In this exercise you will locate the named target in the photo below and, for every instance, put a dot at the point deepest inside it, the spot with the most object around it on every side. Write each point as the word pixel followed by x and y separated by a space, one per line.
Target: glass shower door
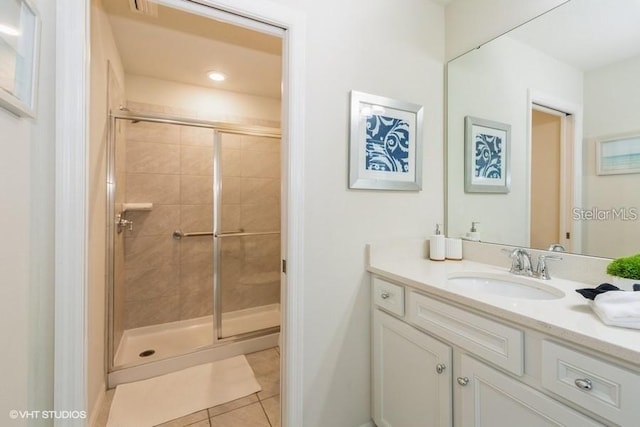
pixel 247 240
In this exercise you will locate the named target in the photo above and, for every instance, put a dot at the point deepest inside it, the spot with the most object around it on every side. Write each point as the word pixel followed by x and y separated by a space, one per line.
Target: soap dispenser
pixel 474 234
pixel 437 245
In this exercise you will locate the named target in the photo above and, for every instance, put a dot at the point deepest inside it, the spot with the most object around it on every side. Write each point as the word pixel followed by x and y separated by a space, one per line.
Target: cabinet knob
pixel 385 295
pixel 462 380
pixel 440 367
pixel 583 383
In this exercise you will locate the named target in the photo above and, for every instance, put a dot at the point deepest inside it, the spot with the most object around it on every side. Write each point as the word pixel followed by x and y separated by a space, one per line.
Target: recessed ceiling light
pixel 5 29
pixel 217 76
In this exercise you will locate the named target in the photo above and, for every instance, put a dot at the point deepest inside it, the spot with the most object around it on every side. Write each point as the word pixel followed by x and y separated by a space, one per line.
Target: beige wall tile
pixel 196 276
pixel 196 218
pixel 161 133
pixel 230 141
pixel 260 190
pixel 155 188
pixel 230 220
pixel 196 190
pixel 191 135
pixel 231 162
pixel 153 251
pixel 146 157
pixel 196 249
pixel 147 283
pixel 162 220
pixel 258 164
pixel 232 190
pixel 260 246
pixel 196 160
pixel 196 304
pixel 260 143
pixel 260 217
pixel 152 311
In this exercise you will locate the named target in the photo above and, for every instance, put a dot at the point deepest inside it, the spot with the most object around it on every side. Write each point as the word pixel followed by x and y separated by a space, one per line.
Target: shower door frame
pixel 218 128
pixel 217 234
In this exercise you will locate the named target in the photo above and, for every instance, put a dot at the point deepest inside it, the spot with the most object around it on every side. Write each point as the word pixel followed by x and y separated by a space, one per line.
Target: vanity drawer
pixel 388 296
pixel 599 386
pixel 490 340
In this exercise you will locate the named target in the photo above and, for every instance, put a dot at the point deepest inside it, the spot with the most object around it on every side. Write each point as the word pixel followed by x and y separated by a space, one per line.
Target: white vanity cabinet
pixel 411 376
pixel 439 365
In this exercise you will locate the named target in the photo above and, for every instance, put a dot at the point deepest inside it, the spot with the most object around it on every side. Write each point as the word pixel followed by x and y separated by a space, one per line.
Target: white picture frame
pixel 618 154
pixel 19 51
pixel 487 164
pixel 385 143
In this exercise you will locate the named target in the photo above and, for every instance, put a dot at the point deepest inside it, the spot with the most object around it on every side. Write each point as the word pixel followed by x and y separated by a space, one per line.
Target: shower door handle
pixel 243 234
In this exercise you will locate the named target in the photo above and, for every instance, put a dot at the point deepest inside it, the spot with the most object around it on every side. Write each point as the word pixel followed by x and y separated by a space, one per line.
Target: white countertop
pixel 567 318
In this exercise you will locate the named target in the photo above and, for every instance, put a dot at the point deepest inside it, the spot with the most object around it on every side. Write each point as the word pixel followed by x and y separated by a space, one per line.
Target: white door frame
pixel 71 199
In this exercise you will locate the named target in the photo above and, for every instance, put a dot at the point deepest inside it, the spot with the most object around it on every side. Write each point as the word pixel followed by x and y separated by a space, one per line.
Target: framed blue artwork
pixel 385 144
pixel 486 156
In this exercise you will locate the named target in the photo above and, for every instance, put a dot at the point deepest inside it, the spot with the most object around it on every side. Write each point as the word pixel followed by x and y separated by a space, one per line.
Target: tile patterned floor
pixel 260 409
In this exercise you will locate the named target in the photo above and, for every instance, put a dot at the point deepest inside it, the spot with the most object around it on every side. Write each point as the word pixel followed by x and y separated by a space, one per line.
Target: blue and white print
pixel 387 144
pixel 488 156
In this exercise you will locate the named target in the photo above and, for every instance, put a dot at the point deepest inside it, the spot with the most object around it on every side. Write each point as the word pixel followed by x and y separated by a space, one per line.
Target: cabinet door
pixel 492 399
pixel 411 376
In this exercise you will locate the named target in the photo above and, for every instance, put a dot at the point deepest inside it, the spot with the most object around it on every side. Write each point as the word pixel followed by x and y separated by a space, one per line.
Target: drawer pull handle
pixel 584 383
pixel 463 381
pixel 440 367
pixel 385 295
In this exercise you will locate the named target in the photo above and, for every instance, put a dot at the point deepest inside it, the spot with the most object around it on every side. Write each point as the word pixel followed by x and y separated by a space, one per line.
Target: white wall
pixel 492 83
pixel 611 97
pixel 470 23
pixel 26 256
pixel 102 49
pixel 378 47
pixel 211 104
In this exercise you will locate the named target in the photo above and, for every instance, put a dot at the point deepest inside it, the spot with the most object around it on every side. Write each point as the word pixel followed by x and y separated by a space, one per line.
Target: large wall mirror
pixel 568 85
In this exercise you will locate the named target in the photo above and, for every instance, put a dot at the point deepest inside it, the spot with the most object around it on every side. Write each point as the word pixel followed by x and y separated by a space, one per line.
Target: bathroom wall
pixel 377 47
pixel 481 88
pixel 611 107
pixel 27 194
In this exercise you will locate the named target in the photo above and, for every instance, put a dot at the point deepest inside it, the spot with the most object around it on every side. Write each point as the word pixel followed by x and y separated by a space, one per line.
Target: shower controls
pixel 122 223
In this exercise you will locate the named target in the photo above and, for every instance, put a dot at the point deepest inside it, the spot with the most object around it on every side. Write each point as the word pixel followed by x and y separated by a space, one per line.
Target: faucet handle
pixel 516 264
pixel 542 271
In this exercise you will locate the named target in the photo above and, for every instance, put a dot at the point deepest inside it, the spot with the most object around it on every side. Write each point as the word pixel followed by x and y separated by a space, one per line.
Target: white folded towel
pixel 618 308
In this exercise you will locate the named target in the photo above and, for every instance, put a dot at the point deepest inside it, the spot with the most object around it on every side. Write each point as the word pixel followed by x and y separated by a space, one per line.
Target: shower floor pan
pixel 158 342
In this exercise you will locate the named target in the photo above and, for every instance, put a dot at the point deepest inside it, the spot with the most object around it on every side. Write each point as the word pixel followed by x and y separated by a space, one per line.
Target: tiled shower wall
pixel 167 280
pixel 171 166
pixel 250 266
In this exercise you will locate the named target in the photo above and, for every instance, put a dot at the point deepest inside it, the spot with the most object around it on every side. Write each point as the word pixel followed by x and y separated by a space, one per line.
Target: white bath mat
pixel 164 398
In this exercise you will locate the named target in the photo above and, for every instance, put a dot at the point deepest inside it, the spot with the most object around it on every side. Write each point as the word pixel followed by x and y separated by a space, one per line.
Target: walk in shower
pixel 194 259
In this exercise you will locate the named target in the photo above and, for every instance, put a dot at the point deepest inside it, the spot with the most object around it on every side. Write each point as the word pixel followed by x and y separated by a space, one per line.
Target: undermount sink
pixel 504 285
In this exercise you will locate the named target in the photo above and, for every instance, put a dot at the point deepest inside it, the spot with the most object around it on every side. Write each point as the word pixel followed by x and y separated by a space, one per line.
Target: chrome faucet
pixel 521 263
